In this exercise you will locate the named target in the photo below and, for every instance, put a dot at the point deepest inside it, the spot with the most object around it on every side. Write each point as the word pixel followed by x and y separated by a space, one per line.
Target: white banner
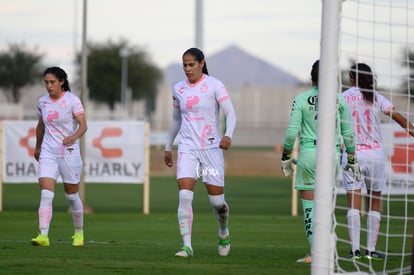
pixel 114 152
pixel 399 160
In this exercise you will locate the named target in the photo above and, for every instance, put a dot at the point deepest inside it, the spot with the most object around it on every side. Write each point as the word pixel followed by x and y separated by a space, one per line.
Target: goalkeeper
pixel 303 121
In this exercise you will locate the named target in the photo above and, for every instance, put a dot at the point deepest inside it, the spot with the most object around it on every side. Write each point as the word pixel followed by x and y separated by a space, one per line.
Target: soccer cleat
pixel 224 246
pixel 374 255
pixel 40 240
pixel 355 255
pixel 307 259
pixel 77 239
pixel 185 252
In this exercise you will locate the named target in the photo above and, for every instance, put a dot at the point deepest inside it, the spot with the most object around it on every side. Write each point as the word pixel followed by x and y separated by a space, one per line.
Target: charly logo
pixel 206 171
pixel 108 133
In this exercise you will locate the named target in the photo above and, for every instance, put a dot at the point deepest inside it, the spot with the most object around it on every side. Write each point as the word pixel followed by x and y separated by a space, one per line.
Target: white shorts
pixel 207 164
pixel 373 176
pixel 68 167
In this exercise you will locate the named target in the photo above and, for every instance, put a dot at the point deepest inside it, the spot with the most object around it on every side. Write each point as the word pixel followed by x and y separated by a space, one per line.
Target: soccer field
pixel 119 239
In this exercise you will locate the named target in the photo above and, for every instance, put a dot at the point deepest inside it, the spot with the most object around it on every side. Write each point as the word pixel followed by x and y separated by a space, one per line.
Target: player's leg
pixel 375 184
pixel 45 211
pixel 185 214
pixel 354 222
pixel 373 226
pixel 212 172
pixel 221 212
pixel 48 172
pixel 308 206
pixel 353 193
pixel 70 170
pixel 305 183
pixel 186 179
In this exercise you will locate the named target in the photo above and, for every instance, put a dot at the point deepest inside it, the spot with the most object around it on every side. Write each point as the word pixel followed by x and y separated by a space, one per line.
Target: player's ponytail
pixel 199 56
pixel 60 74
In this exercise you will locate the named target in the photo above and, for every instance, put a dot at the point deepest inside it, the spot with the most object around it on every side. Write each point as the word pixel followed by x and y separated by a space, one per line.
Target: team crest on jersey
pixel 181 90
pixel 203 88
pixel 63 104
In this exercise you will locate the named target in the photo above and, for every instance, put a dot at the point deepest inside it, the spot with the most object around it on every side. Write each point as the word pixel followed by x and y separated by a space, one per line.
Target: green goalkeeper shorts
pixel 306 170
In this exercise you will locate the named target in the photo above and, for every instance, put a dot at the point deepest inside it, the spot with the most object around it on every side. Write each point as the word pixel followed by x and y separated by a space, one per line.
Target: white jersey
pixel 199 108
pixel 59 119
pixel 367 122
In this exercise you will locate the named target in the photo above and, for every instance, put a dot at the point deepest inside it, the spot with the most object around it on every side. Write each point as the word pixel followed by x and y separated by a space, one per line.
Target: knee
pixel 352 212
pixel 72 197
pixel 218 202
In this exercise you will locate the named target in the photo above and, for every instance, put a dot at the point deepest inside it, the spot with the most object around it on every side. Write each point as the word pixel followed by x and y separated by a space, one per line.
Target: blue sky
pixel 283 33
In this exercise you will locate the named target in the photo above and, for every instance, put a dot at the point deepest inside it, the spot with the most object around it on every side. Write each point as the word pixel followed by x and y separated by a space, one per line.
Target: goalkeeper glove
pixel 287 164
pixel 353 166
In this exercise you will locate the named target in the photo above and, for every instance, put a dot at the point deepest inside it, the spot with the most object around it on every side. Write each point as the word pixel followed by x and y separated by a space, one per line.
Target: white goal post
pixel 379 33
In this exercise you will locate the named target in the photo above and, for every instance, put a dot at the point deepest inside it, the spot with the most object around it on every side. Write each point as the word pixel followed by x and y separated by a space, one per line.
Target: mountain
pixel 236 67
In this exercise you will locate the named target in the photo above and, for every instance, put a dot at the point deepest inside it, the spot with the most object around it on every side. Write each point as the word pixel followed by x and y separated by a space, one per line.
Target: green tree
pixel 19 67
pixel 104 72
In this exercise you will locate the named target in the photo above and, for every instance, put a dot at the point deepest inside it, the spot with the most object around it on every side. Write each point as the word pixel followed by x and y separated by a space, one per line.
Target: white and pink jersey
pixel 199 107
pixel 367 123
pixel 59 119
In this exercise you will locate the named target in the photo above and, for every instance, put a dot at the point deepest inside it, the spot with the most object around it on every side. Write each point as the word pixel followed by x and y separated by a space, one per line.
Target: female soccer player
pixel 61 124
pixel 303 119
pixel 366 106
pixel 197 101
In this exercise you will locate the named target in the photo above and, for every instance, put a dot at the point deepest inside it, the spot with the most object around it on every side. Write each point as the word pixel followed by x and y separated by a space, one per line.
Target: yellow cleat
pixel 40 240
pixel 77 239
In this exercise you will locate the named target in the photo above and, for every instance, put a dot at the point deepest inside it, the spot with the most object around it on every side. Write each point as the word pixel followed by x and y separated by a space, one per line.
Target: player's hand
pixel 225 142
pixel 353 165
pixel 287 166
pixel 168 158
pixel 68 141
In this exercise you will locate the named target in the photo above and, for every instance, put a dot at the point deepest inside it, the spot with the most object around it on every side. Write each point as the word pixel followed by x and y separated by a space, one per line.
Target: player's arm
pixel 347 129
pixel 82 128
pixel 172 133
pixel 230 114
pixel 402 121
pixel 291 134
pixel 40 131
pixel 347 132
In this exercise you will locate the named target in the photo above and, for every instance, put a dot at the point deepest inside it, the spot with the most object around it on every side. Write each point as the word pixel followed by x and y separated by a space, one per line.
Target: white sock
pixel 76 207
pixel 185 215
pixel 221 211
pixel 373 225
pixel 45 210
pixel 354 228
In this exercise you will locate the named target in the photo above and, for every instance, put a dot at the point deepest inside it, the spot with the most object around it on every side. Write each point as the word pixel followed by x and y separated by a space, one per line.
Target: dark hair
pixel 364 79
pixel 60 74
pixel 199 56
pixel 315 73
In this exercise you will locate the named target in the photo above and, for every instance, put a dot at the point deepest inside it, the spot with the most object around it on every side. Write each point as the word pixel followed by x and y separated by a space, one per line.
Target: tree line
pixel 21 66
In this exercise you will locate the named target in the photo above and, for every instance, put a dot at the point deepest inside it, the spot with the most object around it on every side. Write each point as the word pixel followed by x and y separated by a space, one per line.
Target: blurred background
pixel 262 51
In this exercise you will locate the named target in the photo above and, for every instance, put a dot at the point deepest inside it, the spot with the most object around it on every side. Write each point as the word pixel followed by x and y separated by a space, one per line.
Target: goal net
pixel 379 33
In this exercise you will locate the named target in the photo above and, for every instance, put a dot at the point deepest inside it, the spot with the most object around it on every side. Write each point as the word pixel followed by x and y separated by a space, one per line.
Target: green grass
pixel 121 240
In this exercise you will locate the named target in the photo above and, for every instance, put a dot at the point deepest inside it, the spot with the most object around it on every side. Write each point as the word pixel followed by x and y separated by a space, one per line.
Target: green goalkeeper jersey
pixel 303 121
